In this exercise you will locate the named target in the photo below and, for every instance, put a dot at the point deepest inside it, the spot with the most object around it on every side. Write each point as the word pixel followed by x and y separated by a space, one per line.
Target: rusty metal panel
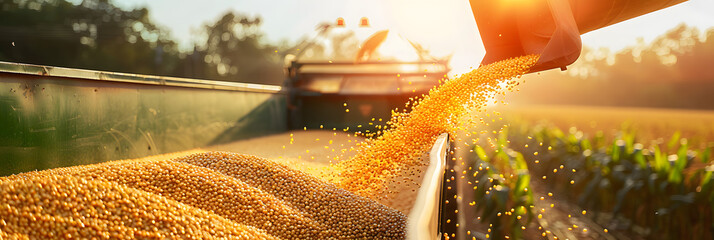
pixel 52 119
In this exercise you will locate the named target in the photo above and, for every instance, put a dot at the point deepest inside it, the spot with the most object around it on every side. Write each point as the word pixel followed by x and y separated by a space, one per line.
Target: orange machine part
pixel 551 28
pixel 370 45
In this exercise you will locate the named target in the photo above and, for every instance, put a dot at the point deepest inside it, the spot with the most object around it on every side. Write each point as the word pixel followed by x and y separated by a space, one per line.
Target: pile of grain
pixel 214 194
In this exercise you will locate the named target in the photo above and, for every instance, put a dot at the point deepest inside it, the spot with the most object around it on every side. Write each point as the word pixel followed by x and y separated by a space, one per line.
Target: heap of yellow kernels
pixel 384 163
pixel 351 216
pixel 248 196
pixel 51 207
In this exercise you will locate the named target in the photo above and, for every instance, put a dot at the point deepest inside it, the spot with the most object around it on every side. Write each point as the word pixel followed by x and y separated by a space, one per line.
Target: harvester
pixel 356 88
pixel 54 117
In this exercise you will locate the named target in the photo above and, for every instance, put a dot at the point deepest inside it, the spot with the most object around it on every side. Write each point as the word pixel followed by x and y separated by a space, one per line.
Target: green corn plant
pixel 502 194
pixel 667 190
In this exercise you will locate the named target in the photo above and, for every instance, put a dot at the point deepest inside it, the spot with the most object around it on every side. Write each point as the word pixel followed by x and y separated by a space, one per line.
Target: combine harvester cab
pixel 358 84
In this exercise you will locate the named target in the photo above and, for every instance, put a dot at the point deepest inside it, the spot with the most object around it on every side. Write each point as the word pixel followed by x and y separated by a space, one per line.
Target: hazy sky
pixel 443 26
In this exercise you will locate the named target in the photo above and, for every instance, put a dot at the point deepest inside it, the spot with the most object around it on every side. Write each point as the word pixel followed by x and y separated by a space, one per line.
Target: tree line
pixel 98 35
pixel 673 71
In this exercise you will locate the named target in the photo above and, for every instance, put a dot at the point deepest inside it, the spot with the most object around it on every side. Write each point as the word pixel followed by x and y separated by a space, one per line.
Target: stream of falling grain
pixel 386 165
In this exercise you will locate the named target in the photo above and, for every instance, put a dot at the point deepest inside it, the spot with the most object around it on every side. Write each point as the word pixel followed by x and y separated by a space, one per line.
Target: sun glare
pixel 440 27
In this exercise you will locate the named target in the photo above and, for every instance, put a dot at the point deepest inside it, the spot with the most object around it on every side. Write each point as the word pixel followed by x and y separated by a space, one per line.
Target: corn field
pixel 662 190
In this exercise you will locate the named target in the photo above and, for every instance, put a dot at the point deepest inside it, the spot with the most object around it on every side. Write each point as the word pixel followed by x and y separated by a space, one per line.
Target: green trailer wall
pixel 54 117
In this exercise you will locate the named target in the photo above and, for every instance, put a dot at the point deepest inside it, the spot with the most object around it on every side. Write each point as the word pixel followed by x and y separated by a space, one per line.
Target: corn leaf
pixel 481 153
pixel 674 140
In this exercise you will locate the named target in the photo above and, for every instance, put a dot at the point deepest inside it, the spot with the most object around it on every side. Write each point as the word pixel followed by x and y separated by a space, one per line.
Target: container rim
pixel 423 220
pixel 40 70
